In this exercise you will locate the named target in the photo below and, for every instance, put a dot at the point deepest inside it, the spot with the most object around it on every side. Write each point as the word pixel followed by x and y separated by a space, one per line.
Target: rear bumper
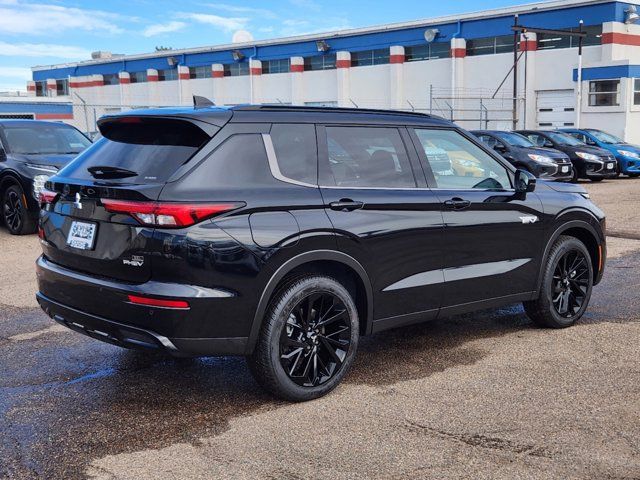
pixel 98 307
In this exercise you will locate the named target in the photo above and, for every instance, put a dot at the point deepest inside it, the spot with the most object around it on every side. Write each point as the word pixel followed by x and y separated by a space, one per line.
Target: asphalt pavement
pixel 486 395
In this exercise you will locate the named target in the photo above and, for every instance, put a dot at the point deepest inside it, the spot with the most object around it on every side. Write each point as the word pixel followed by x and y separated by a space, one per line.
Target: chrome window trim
pixel 275 168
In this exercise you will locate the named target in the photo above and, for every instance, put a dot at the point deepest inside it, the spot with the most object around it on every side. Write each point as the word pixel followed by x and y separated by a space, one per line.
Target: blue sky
pixel 41 32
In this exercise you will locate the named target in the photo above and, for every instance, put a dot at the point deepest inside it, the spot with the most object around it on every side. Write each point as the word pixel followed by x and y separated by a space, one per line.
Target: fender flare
pixel 292 263
pixel 556 234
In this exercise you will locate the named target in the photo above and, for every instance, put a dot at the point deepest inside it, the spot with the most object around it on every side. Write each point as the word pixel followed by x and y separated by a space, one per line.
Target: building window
pixel 320 62
pixel 276 66
pixel 427 52
pixel 202 71
pixel 547 41
pixel 111 79
pixel 328 103
pixel 166 75
pixel 604 93
pixel 236 69
pixel 490 45
pixel 636 91
pixel 138 77
pixel 41 89
pixel 379 56
pixel 62 87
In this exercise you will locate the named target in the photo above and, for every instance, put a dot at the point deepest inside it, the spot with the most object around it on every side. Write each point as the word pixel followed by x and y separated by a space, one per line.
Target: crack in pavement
pixel 482 441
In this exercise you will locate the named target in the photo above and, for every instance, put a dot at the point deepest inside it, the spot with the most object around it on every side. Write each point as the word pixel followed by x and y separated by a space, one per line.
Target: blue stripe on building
pixel 607 73
pixel 36 107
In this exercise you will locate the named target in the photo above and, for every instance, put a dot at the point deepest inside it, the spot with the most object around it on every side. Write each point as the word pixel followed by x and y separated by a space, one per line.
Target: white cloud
pixel 225 23
pixel 67 52
pixel 17 17
pixel 161 28
pixel 262 12
pixel 311 4
pixel 15 72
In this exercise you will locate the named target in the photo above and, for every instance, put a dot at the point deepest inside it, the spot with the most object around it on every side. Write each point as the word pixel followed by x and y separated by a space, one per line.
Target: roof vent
pixel 101 55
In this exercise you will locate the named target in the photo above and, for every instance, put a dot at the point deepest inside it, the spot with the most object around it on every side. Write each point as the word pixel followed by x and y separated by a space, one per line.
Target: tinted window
pixel 296 151
pixel 367 157
pixel 152 150
pixel 240 161
pixel 515 139
pixel 564 139
pixel 457 163
pixel 44 138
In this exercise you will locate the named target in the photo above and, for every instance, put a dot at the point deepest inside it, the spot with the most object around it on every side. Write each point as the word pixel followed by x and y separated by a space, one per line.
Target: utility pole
pixel 516 35
pixel 579 92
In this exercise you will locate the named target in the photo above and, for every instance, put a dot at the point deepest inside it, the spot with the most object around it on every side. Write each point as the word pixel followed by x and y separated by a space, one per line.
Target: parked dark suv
pixel 589 162
pixel 545 163
pixel 30 152
pixel 284 234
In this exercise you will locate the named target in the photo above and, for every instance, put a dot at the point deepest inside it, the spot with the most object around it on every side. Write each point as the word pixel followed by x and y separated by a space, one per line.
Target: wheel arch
pixel 587 234
pixel 328 262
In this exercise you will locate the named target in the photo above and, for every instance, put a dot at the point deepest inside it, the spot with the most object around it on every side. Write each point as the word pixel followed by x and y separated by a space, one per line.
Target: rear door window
pixel 138 151
pixel 296 151
pixel 373 157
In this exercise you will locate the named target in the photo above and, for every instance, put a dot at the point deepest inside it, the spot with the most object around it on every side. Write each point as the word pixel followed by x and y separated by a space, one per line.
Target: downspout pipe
pixel 453 70
pixel 254 55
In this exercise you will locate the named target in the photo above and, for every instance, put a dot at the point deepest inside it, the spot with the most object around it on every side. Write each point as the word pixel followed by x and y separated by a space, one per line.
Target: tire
pixel 634 175
pixel 596 180
pixel 290 360
pixel 15 213
pixel 567 281
pixel 574 178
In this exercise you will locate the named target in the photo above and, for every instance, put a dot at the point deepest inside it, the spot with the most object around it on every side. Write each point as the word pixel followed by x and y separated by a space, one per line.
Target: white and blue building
pixel 455 66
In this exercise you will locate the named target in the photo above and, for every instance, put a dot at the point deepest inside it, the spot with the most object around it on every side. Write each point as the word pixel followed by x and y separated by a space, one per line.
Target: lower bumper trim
pixel 127 336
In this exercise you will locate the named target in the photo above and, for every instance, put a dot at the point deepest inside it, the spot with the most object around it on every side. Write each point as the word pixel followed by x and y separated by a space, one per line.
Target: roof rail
pixel 303 108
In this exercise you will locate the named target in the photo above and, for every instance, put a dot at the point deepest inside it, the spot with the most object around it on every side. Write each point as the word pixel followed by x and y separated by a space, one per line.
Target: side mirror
pixel 547 144
pixel 525 181
pixel 499 148
pixel 591 142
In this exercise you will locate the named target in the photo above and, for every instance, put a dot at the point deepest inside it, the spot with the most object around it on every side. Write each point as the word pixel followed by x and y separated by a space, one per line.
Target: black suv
pixel 545 163
pixel 284 234
pixel 30 152
pixel 589 162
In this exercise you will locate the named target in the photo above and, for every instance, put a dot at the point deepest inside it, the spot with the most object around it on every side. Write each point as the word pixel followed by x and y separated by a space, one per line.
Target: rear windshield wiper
pixel 106 172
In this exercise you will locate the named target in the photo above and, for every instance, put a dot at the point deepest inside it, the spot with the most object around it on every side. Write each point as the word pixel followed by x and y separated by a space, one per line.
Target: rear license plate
pixel 609 166
pixel 565 169
pixel 81 235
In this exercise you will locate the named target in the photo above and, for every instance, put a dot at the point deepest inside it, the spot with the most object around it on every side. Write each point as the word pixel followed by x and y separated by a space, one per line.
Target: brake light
pixel 168 215
pixel 46 197
pixel 155 302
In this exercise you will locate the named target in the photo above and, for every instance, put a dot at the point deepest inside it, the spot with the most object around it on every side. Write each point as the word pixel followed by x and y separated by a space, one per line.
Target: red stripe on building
pixel 31 88
pixel 152 78
pixel 396 59
pixel 458 52
pixel 93 83
pixel 124 80
pixel 184 76
pixel 621 39
pixel 529 46
pixel 217 73
pixel 256 70
pixel 343 63
pixel 54 116
pixel 297 68
pixel 51 86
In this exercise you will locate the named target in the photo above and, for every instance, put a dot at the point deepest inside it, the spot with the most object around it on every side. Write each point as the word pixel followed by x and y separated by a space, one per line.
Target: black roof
pixel 293 114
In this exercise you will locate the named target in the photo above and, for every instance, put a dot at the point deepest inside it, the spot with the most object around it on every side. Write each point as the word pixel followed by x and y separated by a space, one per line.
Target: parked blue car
pixel 627 155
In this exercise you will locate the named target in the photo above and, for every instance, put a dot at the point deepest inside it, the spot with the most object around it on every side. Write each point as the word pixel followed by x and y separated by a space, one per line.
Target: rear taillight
pixel 168 215
pixel 47 197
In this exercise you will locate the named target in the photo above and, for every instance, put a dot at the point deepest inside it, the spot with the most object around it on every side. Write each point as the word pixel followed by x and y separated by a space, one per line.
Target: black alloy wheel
pixel 566 285
pixel 15 215
pixel 571 283
pixel 315 340
pixel 308 339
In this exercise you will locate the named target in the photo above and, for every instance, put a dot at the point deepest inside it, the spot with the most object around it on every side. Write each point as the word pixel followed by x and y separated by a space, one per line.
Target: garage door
pixel 556 108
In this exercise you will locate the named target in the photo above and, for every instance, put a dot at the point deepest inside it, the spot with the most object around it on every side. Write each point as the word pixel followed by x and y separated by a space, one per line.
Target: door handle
pixel 346 205
pixel 457 204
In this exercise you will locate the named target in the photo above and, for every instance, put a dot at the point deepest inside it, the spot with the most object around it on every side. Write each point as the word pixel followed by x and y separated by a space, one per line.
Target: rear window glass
pixel 148 151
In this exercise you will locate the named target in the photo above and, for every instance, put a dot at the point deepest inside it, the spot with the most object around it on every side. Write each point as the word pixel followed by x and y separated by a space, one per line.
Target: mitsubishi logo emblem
pixel 78 202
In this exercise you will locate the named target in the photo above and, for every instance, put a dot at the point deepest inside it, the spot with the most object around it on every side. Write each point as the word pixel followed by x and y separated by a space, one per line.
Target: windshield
pixel 605 137
pixel 564 139
pixel 44 139
pixel 515 140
